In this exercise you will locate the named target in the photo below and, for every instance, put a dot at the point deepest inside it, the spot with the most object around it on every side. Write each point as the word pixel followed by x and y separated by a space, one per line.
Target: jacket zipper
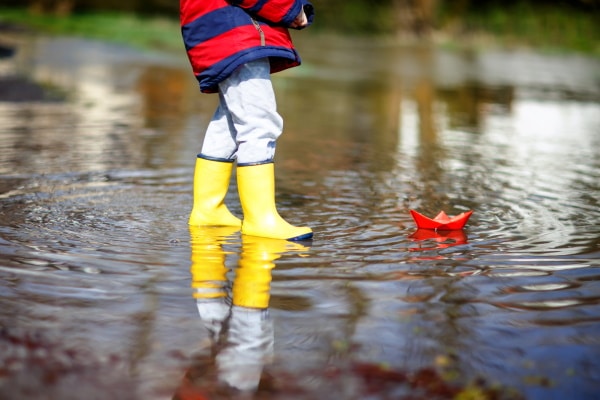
pixel 260 31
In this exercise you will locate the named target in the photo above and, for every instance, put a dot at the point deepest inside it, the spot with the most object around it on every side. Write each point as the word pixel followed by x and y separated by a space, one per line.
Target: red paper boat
pixel 441 222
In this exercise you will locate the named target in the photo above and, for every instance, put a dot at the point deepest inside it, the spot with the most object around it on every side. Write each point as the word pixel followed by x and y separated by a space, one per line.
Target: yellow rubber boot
pixel 256 186
pixel 211 181
pixel 252 283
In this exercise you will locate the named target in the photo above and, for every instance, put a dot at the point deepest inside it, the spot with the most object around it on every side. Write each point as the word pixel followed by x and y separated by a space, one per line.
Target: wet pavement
pixel 106 292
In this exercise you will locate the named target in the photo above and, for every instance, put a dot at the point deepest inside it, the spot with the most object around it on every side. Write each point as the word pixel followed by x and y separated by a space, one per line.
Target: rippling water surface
pixel 106 293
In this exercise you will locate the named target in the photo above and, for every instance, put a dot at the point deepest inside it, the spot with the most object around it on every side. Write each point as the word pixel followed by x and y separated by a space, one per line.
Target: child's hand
pixel 301 21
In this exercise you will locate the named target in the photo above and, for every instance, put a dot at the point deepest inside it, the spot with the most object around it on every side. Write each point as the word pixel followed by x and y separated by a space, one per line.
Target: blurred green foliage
pixel 539 25
pixel 141 31
pixel 551 24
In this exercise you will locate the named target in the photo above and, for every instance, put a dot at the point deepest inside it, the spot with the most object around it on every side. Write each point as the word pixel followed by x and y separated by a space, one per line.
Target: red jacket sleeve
pixel 279 12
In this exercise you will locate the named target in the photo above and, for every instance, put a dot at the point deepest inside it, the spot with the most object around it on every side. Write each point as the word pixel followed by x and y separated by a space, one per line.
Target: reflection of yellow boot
pixel 256 186
pixel 208 260
pixel 211 180
pixel 252 284
pixel 209 275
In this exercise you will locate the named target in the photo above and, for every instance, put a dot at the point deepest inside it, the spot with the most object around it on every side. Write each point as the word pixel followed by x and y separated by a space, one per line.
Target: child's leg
pixel 219 140
pixel 213 173
pixel 252 110
pixel 248 99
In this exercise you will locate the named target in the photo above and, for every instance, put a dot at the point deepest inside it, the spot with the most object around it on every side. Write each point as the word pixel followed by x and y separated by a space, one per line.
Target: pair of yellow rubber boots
pixel 256 187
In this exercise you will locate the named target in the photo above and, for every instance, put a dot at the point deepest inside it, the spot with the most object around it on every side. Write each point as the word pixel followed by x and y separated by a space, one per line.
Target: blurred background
pixel 571 24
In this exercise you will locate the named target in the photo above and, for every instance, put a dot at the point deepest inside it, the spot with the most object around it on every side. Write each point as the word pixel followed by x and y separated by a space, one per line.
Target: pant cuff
pixel 250 164
pixel 218 159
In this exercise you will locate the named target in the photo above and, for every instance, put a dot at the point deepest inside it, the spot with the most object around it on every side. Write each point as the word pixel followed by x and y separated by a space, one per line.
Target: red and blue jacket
pixel 221 35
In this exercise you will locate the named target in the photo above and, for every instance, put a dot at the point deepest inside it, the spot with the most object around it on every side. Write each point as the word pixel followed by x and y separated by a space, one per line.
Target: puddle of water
pixel 103 284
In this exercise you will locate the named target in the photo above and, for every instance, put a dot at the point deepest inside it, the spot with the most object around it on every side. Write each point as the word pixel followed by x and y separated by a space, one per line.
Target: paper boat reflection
pixel 443 238
pixel 441 221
